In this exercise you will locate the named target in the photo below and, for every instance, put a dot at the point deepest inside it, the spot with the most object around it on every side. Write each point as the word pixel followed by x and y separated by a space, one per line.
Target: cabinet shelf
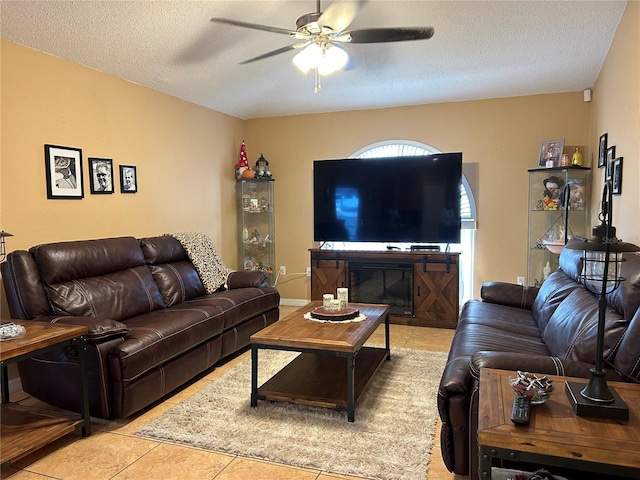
pixel 256 222
pixel 568 189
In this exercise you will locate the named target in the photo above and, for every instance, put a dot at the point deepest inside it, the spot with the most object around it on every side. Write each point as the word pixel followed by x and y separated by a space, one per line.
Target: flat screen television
pixel 393 199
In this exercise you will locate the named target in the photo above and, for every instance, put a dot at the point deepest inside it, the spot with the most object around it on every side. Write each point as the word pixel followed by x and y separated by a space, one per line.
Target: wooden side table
pixel 25 430
pixel 555 436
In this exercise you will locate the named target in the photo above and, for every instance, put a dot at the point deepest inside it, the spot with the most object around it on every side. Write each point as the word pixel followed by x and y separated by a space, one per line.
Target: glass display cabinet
pixel 256 225
pixel 558 211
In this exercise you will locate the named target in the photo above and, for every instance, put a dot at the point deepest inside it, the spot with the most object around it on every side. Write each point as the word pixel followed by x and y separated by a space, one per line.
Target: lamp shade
pixel 602 258
pixel 327 58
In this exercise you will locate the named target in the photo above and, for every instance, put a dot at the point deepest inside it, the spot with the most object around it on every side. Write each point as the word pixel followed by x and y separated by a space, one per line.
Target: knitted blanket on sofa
pixel 205 258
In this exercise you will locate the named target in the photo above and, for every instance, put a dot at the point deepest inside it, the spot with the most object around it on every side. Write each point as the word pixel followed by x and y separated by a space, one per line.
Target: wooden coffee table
pixel 555 436
pixel 325 373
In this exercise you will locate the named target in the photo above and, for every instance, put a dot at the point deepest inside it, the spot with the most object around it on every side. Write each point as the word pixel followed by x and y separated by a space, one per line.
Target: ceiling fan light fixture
pixel 308 57
pixel 326 59
pixel 333 59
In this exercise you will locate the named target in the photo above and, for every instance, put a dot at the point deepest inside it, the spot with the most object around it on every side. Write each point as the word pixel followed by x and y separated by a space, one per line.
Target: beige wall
pixel 500 136
pixel 184 155
pixel 616 111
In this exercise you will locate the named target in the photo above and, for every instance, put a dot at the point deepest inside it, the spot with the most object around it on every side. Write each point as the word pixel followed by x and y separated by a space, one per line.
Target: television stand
pixel 421 287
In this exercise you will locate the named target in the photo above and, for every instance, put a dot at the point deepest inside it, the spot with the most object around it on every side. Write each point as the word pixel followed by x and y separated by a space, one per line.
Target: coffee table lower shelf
pixel 322 379
pixel 25 430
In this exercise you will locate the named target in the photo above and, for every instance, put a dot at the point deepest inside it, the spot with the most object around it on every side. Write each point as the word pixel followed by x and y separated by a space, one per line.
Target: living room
pixel 185 155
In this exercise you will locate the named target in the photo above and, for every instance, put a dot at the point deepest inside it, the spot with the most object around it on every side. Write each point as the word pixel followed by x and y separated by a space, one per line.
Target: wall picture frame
pixel 610 157
pixel 617 176
pixel 602 150
pixel 128 179
pixel 101 175
pixel 550 154
pixel 63 169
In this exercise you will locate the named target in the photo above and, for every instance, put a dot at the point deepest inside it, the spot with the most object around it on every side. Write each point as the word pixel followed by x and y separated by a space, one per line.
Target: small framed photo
pixel 101 173
pixel 128 179
pixel 611 155
pixel 602 151
pixel 550 154
pixel 63 167
pixel 617 176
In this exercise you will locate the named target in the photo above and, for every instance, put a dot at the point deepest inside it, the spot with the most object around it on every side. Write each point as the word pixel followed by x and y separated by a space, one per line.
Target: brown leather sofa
pixel 548 330
pixel 152 327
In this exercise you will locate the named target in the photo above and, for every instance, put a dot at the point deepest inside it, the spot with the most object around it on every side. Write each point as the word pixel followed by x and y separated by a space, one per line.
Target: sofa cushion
pixel 492 327
pixel 104 278
pixel 238 304
pixel 156 337
pixel 116 296
pixel 572 329
pixel 66 261
pixel 175 275
pixel 552 292
pixel 626 298
pixel 627 359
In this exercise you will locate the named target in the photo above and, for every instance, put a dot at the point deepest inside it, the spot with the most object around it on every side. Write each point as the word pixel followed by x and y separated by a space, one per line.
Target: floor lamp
pixel 3 249
pixel 602 261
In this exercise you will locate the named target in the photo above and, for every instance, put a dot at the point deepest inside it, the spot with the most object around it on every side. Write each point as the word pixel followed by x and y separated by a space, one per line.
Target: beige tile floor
pixel 113 452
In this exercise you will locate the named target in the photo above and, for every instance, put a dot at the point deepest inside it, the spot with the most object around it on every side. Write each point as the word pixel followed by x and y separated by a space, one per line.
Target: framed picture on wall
pixel 128 179
pixel 611 155
pixel 602 150
pixel 101 173
pixel 617 176
pixel 550 153
pixel 63 168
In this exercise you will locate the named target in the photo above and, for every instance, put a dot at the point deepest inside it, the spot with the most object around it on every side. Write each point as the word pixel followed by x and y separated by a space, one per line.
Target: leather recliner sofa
pixel 152 326
pixel 549 330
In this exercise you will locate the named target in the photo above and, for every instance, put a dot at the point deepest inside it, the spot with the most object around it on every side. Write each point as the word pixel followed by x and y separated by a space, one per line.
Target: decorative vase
pixel 576 158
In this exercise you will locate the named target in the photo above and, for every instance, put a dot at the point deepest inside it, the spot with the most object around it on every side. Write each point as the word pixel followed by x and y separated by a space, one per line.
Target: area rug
pixel 391 437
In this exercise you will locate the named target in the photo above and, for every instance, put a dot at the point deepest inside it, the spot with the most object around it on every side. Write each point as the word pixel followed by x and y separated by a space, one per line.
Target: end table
pixel 25 430
pixel 555 436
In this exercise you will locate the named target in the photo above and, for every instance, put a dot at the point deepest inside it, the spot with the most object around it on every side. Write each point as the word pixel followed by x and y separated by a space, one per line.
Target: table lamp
pixel 602 261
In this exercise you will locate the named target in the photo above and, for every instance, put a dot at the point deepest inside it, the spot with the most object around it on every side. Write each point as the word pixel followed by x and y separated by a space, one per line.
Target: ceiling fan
pixel 320 34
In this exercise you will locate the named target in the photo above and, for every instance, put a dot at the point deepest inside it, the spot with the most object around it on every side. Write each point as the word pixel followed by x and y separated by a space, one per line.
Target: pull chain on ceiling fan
pixel 320 34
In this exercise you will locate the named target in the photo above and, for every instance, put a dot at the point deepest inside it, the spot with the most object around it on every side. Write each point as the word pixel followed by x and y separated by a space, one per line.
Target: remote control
pixel 520 411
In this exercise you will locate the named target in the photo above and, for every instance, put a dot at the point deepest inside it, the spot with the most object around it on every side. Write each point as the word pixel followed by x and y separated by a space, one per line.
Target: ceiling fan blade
pixel 254 26
pixel 277 51
pixel 339 15
pixel 400 34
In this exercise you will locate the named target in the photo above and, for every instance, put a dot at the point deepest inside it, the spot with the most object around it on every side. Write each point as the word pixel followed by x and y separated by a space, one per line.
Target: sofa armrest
pixel 246 279
pixel 508 294
pixel 100 329
pixel 543 364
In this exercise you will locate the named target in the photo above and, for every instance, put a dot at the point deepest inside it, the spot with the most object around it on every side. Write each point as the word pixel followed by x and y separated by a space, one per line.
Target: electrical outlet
pixel 520 280
pixel 283 270
pixel 308 271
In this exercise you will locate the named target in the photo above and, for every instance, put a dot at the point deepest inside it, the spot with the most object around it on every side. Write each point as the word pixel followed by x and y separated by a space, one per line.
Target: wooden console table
pixel 434 294
pixel 24 429
pixel 555 436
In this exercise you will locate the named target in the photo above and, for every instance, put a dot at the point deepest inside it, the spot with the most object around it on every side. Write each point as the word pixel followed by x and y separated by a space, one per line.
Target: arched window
pixel 466 247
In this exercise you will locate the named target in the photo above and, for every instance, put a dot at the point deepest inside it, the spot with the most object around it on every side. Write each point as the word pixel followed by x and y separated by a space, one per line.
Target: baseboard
pixel 15 385
pixel 294 302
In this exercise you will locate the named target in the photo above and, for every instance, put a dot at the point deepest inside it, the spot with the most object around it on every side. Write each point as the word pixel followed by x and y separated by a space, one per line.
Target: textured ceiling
pixel 481 49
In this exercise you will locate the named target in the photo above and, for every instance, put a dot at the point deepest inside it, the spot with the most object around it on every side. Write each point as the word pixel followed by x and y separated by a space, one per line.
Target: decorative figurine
pixel 242 164
pixel 552 192
pixel 262 167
